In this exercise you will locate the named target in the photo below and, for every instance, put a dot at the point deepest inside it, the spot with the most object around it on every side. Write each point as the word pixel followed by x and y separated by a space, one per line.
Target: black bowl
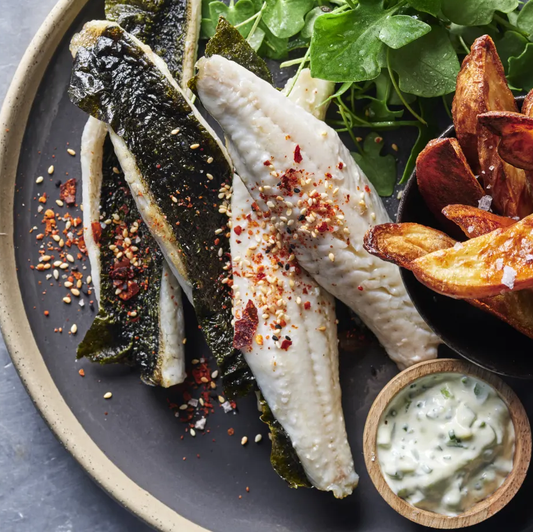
pixel 475 335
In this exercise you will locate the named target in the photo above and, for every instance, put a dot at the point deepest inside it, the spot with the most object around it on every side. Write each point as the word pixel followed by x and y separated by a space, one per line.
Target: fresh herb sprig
pixel 394 61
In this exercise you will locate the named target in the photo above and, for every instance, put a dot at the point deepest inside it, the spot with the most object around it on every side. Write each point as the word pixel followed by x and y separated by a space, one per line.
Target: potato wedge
pixel 475 222
pixel 527 104
pixel 485 266
pixel 403 243
pixel 516 132
pixel 482 87
pixel 444 177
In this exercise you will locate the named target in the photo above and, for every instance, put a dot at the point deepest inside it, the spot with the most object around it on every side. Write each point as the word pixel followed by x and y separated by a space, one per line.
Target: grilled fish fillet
pixel 298 169
pixel 169 367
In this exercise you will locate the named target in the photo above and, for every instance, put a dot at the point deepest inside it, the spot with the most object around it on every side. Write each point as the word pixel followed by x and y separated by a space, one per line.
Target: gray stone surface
pixel 42 488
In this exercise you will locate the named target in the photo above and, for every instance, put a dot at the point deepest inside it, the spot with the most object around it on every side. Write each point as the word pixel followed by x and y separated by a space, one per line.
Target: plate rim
pixel 14 324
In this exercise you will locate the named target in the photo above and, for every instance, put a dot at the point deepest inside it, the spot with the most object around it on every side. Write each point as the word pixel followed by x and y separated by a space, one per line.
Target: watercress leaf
pixel 285 18
pixel 307 30
pixel 378 110
pixel 426 6
pixel 511 45
pixel 234 14
pixel 256 40
pixel 427 67
pixel 208 26
pixel 380 170
pixel 273 47
pixel 399 30
pixel 475 12
pixel 520 71
pixel 345 46
pixel 525 19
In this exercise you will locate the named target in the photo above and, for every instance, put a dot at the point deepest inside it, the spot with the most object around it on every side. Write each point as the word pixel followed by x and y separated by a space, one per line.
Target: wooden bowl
pixel 488 506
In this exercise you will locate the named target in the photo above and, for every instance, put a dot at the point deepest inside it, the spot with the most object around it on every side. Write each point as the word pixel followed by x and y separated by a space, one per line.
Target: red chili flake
pixel 231 432
pixel 360 288
pixel 238 230
pixel 81 372
pixel 42 199
pixel 286 344
pixel 132 290
pixel 97 231
pixel 297 154
pixel 289 180
pixel 267 163
pixel 307 305
pixel 46 313
pixel 245 327
pixel 322 227
pixel 67 192
pixel 121 271
pixel 340 166
pixel 367 189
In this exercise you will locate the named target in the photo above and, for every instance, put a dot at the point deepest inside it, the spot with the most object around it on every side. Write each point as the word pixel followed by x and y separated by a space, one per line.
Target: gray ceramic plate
pixel 135 452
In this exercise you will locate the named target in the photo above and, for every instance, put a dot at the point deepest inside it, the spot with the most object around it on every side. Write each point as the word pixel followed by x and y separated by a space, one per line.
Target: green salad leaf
pixel 399 30
pixel 511 45
pixel 380 169
pixel 432 7
pixel 520 71
pixel 524 20
pixel 235 14
pixel 285 18
pixel 476 12
pixel 427 67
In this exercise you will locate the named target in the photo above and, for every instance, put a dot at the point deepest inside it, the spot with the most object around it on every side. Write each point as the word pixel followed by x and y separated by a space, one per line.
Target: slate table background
pixel 42 488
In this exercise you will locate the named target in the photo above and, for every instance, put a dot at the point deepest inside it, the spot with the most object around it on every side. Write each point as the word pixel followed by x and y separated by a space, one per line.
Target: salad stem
pixel 506 24
pixel 399 92
pixel 299 71
pixel 256 23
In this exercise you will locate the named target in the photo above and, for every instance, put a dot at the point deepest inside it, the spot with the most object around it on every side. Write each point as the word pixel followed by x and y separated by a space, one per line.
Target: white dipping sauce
pixel 445 442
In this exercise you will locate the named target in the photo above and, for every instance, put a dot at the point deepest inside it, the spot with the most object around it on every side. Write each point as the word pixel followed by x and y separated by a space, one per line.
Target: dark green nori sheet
pixel 115 81
pixel 161 24
pixel 115 336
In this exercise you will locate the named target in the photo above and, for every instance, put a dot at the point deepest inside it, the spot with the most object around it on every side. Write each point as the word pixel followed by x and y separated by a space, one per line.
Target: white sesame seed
pixel 40 179
pixel 210 177
pixel 63 265
pixel 244 440
pixel 221 399
pixel 108 395
pixel 59 202
pixel 75 292
pixel 193 433
pixel 74 328
pixel 194 146
pixel 70 151
pixel 56 274
pixel 331 257
pixel 116 170
pixel 51 169
pixel 175 131
pixel 220 252
pixel 209 160
pixel 258 438
pixel 214 375
pixel 70 258
pixel 68 284
pixel 67 300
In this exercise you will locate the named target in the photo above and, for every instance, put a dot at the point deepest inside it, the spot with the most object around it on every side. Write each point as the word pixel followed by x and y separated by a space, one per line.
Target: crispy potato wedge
pixel 527 104
pixel 444 178
pixel 516 132
pixel 403 243
pixel 485 266
pixel 482 87
pixel 475 222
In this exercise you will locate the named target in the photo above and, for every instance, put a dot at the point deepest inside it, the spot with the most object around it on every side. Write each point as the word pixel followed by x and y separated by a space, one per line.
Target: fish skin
pixel 299 383
pixel 170 366
pixel 263 126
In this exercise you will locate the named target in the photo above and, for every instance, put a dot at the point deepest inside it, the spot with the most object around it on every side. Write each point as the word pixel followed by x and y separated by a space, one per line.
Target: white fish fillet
pixel 266 133
pixel 300 381
pixel 170 369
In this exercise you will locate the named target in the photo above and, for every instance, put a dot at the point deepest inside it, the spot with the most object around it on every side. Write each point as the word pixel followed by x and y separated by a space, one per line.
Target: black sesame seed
pixel 279 184
pixel 58 183
pixel 278 326
pixel 301 218
pixel 297 190
pixel 289 230
pixel 280 264
pixel 275 338
pixel 288 338
pixel 91 306
pixel 287 266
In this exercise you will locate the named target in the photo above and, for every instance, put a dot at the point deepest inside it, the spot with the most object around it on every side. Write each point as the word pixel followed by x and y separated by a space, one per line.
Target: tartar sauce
pixel 445 442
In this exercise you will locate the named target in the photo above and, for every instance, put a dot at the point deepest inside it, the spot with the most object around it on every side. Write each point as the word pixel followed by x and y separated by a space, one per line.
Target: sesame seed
pixel 175 131
pixel 56 275
pixel 244 440
pixel 75 292
pixel 194 146
pixel 68 284
pixel 67 300
pixel 116 170
pixel 63 265
pixel 184 341
pixel 331 257
pixel 258 438
pixel 133 314
pixel 184 406
pixel 193 433
pixel 70 151
pixel 209 160
pixel 174 199
pixel 70 258
pixel 210 177
pixel 214 375
pixel 59 202
pixel 322 328
pixel 108 395
pixel 51 169
pixel 74 329
pixel 40 179
pixel 221 399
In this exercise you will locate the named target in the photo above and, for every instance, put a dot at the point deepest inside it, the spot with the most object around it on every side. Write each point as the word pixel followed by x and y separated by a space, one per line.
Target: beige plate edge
pixel 13 320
